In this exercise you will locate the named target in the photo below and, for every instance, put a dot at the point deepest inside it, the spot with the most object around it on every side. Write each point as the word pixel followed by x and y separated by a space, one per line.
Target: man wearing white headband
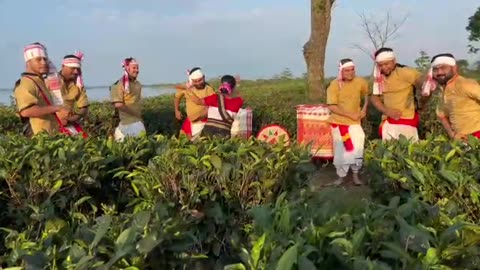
pixel 344 97
pixel 33 100
pixel 196 114
pixel 459 106
pixel 126 96
pixel 73 92
pixel 396 85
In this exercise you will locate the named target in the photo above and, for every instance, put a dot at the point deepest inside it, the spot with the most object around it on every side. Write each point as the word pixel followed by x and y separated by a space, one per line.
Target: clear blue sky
pixel 254 38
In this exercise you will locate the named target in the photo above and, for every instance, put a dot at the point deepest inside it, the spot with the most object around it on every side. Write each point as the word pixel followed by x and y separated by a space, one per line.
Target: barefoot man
pixel 396 85
pixel 459 106
pixel 196 114
pixel 344 96
pixel 33 100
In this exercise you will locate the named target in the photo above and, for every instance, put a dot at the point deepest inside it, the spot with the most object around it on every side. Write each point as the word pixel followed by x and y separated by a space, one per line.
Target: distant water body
pixel 97 93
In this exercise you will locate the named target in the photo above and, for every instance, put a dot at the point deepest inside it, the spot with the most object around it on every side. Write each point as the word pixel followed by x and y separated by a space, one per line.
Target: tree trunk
pixel 314 49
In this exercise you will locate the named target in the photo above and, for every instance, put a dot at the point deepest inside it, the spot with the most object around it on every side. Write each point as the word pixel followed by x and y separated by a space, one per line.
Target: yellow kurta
pixel 195 112
pixel 74 97
pixel 27 95
pixel 460 103
pixel 348 99
pixel 398 93
pixel 133 100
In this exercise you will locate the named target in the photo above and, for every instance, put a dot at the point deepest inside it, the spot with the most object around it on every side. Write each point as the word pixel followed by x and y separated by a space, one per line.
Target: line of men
pixel 59 101
pixel 53 101
pixel 394 92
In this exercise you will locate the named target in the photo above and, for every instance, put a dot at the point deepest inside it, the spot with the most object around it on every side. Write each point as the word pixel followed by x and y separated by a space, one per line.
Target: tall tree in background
pixel 473 28
pixel 379 31
pixel 314 48
pixel 423 62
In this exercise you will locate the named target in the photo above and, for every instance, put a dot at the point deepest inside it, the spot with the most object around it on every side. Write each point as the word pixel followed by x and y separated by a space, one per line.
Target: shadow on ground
pixel 347 192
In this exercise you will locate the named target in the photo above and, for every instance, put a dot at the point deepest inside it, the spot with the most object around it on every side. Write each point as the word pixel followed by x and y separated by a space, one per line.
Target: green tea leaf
pixel 237 266
pixel 257 249
pixel 288 259
pixel 103 224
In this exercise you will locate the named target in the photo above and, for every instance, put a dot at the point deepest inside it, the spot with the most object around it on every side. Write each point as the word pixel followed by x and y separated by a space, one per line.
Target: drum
pixel 313 128
pixel 274 134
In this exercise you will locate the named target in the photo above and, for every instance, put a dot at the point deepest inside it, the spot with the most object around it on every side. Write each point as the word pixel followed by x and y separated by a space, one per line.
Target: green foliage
pixel 423 62
pixel 165 203
pixel 473 29
pixel 440 172
pixel 149 202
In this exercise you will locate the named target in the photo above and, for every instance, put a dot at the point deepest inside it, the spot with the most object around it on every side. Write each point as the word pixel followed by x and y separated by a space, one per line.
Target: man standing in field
pixel 459 106
pixel 396 85
pixel 126 97
pixel 196 114
pixel 33 100
pixel 73 91
pixel 344 96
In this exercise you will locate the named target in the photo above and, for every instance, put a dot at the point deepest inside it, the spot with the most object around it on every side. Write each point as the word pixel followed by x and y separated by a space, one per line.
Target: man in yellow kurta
pixel 344 96
pixel 396 85
pixel 196 114
pixel 459 107
pixel 73 92
pixel 126 96
pixel 32 96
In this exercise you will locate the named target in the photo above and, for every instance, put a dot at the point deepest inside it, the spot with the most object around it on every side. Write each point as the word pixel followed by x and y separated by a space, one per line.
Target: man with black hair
pixel 344 97
pixel 196 113
pixel 396 85
pixel 459 106
pixel 73 91
pixel 126 97
pixel 32 97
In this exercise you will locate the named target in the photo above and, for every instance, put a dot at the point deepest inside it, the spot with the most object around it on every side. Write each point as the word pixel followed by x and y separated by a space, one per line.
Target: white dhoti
pixel 343 159
pixel 130 130
pixel 393 131
pixel 197 128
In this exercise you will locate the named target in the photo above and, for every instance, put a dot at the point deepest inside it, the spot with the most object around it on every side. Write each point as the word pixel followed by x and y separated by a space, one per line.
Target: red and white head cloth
pixel 33 51
pixel 378 77
pixel 75 61
pixel 194 74
pixel 341 66
pixel 126 68
pixel 430 84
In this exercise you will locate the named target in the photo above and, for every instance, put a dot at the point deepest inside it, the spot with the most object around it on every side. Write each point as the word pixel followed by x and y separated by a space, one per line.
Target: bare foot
pixel 337 182
pixel 356 179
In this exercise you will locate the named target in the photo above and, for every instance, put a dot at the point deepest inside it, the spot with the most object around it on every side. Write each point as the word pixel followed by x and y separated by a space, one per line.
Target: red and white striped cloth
pixel 313 128
pixel 75 62
pixel 242 125
pixel 126 77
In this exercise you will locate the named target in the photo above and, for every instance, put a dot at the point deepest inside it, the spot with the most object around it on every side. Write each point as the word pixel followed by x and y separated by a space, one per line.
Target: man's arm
pixel 27 102
pixel 77 116
pixel 118 102
pixel 378 104
pixel 337 110
pixel 36 111
pixel 446 125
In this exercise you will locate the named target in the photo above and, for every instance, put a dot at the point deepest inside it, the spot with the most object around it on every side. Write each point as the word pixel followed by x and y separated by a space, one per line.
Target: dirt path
pixel 326 174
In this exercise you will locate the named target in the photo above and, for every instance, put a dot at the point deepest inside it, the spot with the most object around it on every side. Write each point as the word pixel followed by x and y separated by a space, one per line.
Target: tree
pixel 314 48
pixel 379 31
pixel 423 62
pixel 473 28
pixel 463 65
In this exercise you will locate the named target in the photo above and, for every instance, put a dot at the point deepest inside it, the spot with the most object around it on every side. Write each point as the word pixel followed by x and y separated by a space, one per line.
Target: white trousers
pixel 344 160
pixel 130 130
pixel 390 131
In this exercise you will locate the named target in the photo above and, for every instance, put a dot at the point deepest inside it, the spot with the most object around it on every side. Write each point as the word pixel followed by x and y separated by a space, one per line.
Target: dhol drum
pixel 274 134
pixel 313 128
